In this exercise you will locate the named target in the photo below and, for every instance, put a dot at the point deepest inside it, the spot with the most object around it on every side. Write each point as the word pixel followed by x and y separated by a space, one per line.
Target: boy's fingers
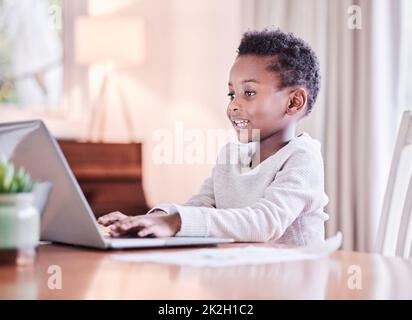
pixel 115 232
pixel 129 224
pixel 147 231
pixel 111 218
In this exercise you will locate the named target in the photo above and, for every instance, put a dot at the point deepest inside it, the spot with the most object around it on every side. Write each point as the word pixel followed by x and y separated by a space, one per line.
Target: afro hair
pixel 294 60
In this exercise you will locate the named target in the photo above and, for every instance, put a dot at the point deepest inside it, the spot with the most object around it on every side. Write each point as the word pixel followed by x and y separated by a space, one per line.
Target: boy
pixel 273 83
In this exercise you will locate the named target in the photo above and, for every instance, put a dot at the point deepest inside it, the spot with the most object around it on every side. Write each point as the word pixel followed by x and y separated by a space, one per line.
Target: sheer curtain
pixel 358 109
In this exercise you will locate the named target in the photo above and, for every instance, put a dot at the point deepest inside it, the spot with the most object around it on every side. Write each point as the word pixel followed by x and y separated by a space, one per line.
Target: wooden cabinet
pixel 109 174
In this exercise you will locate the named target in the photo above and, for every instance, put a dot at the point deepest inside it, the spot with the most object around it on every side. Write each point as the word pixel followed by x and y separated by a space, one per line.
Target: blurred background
pixel 143 83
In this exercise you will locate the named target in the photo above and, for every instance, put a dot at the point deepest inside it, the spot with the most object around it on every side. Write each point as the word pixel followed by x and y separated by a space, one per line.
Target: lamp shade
pixel 104 39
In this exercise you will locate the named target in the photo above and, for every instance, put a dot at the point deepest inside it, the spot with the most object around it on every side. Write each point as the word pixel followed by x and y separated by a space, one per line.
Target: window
pixel 31 53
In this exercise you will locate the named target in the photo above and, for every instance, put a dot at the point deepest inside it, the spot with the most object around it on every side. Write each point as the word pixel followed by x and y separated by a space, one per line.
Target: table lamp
pixel 112 42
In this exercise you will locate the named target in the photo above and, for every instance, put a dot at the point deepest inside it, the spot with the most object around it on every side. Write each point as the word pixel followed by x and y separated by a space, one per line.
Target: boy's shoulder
pixel 304 148
pixel 305 142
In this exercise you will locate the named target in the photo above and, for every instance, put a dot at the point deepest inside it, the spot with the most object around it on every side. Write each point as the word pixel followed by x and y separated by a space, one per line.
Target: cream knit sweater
pixel 279 200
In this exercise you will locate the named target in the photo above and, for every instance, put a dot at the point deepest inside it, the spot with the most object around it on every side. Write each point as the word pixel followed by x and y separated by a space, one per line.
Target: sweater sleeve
pixel 296 188
pixel 204 198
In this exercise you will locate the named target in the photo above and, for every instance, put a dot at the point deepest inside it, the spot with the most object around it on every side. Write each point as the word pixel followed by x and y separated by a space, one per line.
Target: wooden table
pixel 89 274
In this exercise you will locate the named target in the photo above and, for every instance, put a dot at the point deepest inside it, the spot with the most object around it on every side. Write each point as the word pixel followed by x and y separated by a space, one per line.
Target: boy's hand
pixel 157 224
pixel 111 218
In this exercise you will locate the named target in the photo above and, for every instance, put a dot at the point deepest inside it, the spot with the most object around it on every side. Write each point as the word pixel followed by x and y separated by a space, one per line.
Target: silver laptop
pixel 66 215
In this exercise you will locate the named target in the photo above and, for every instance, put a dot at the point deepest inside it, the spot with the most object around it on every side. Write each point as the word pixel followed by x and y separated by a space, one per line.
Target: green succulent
pixel 12 181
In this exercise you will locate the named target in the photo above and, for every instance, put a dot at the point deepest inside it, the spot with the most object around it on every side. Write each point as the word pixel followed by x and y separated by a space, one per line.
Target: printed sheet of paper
pixel 236 256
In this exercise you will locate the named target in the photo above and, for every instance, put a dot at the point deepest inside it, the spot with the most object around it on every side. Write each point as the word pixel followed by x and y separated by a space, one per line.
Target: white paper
pixel 226 257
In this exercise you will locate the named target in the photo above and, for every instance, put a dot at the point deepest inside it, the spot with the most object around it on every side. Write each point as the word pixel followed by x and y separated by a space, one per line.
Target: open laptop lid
pixel 67 217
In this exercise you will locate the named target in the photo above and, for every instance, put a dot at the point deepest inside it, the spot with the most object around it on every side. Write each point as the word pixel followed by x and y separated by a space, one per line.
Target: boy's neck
pixel 272 144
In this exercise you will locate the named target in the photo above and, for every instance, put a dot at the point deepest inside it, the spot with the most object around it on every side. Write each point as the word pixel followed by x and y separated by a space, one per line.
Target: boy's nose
pixel 234 107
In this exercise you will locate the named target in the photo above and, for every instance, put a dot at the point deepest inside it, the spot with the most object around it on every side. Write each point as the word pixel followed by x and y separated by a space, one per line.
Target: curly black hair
pixel 294 60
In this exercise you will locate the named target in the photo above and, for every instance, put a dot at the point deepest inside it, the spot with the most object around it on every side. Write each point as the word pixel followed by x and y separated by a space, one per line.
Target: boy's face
pixel 256 102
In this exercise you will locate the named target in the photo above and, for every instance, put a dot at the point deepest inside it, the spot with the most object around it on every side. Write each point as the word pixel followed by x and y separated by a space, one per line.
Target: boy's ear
pixel 297 100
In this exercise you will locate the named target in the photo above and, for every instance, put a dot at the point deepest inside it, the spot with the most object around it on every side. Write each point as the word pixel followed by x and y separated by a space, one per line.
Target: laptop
pixel 66 215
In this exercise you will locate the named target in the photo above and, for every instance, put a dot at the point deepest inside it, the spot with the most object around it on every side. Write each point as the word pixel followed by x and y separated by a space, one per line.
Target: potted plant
pixel 19 218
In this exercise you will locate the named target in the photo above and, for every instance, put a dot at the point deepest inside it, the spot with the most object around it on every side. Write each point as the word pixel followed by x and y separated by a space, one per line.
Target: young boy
pixel 273 84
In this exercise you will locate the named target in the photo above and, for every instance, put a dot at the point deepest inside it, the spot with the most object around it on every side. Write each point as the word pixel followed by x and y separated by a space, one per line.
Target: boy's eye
pixel 231 95
pixel 250 93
